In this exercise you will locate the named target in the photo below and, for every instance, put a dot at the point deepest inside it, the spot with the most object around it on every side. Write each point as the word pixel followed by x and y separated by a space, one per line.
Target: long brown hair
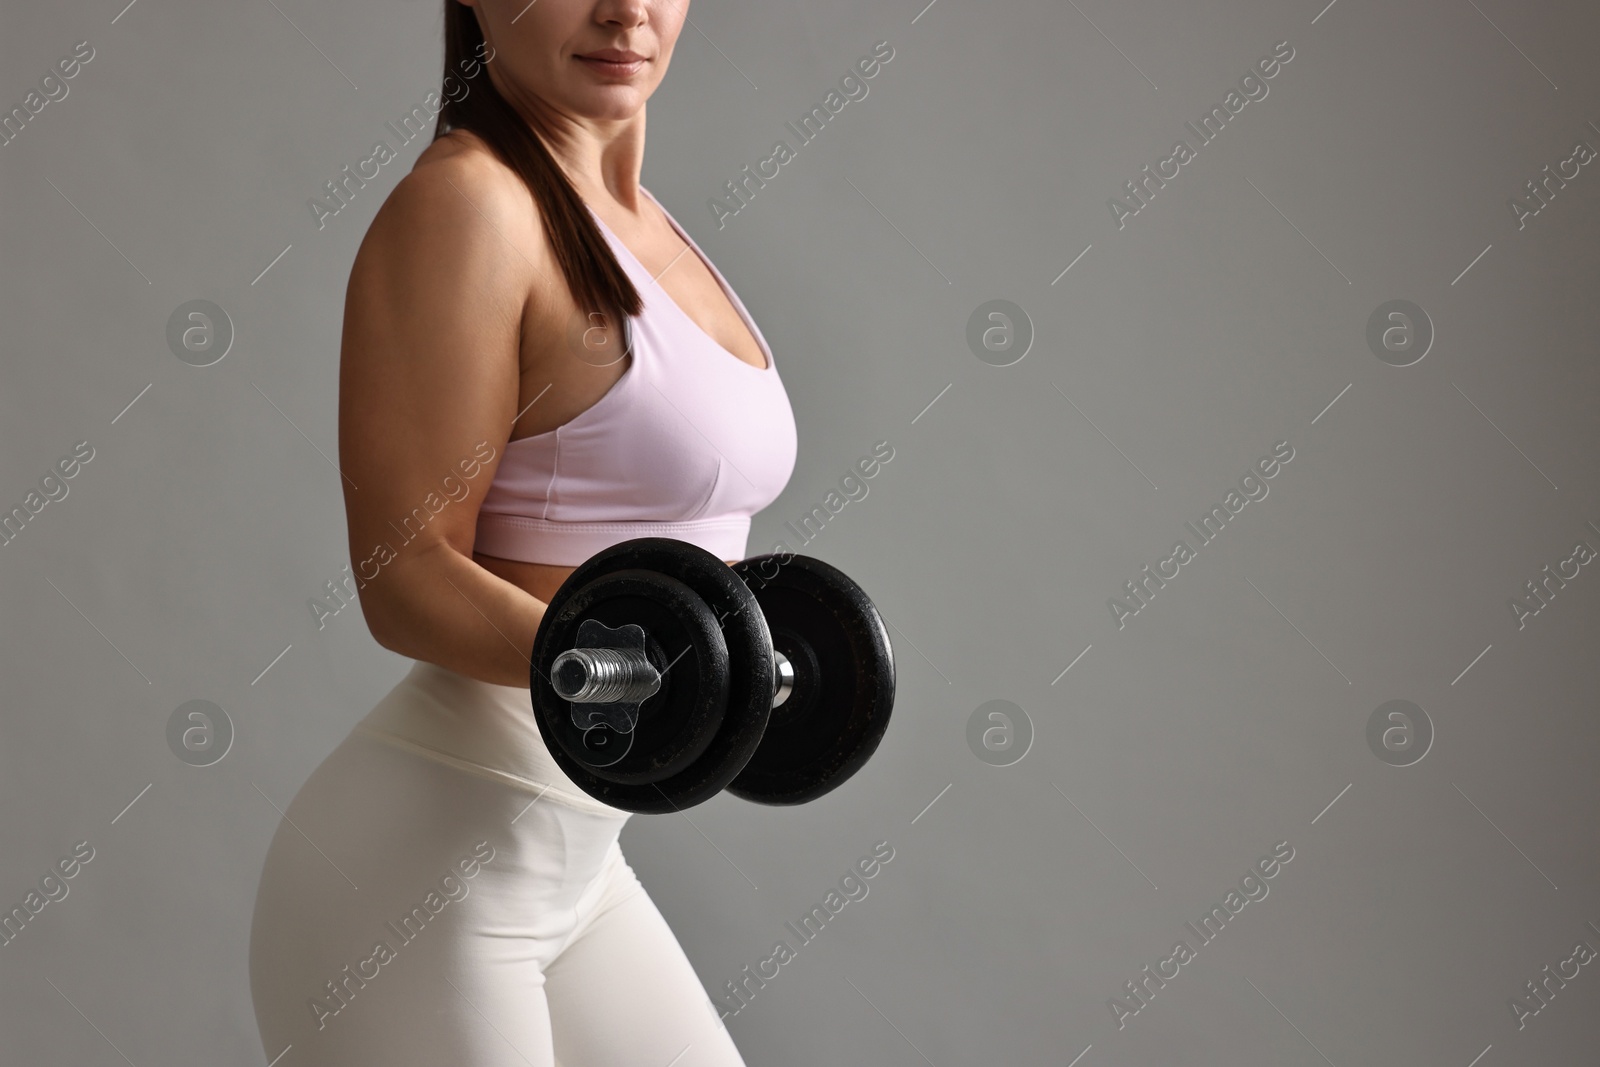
pixel 595 278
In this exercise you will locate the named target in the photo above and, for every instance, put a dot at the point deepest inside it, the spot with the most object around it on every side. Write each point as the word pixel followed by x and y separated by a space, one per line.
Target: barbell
pixel 660 676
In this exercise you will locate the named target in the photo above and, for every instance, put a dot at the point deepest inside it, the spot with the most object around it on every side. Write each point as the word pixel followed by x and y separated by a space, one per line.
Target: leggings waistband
pixel 477 726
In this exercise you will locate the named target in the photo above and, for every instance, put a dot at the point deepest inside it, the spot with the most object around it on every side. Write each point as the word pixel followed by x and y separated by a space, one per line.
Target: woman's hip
pixel 386 858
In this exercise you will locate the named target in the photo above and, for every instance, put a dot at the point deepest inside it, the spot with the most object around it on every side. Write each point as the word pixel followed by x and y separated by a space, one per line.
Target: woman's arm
pixel 428 374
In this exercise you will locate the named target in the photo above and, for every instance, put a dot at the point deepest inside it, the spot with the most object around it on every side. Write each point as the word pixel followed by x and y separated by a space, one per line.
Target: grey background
pixel 1225 717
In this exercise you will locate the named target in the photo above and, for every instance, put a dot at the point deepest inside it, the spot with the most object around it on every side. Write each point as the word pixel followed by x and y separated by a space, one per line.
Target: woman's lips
pixel 613 67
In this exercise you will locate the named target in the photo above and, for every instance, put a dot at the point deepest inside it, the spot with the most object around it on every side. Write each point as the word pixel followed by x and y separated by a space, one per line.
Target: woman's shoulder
pixel 456 192
pixel 459 166
pixel 463 156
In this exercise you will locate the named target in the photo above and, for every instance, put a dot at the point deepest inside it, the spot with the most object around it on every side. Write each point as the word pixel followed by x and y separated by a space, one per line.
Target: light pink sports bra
pixel 689 443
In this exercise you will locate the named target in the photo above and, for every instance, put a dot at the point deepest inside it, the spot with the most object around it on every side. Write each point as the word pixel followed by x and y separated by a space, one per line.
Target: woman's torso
pixel 699 392
pixel 554 387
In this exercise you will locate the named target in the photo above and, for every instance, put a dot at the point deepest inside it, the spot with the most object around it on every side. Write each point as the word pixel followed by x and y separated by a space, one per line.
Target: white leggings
pixel 412 912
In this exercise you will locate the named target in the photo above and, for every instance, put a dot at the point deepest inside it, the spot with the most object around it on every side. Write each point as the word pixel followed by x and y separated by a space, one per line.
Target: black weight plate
pixel 844 680
pixel 677 723
pixel 748 644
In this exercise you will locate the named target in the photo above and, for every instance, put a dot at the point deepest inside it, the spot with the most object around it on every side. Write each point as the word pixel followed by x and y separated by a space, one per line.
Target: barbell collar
pixel 626 676
pixel 604 676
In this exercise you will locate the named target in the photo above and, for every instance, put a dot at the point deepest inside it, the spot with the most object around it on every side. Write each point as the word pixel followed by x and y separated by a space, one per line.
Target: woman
pixel 439 892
